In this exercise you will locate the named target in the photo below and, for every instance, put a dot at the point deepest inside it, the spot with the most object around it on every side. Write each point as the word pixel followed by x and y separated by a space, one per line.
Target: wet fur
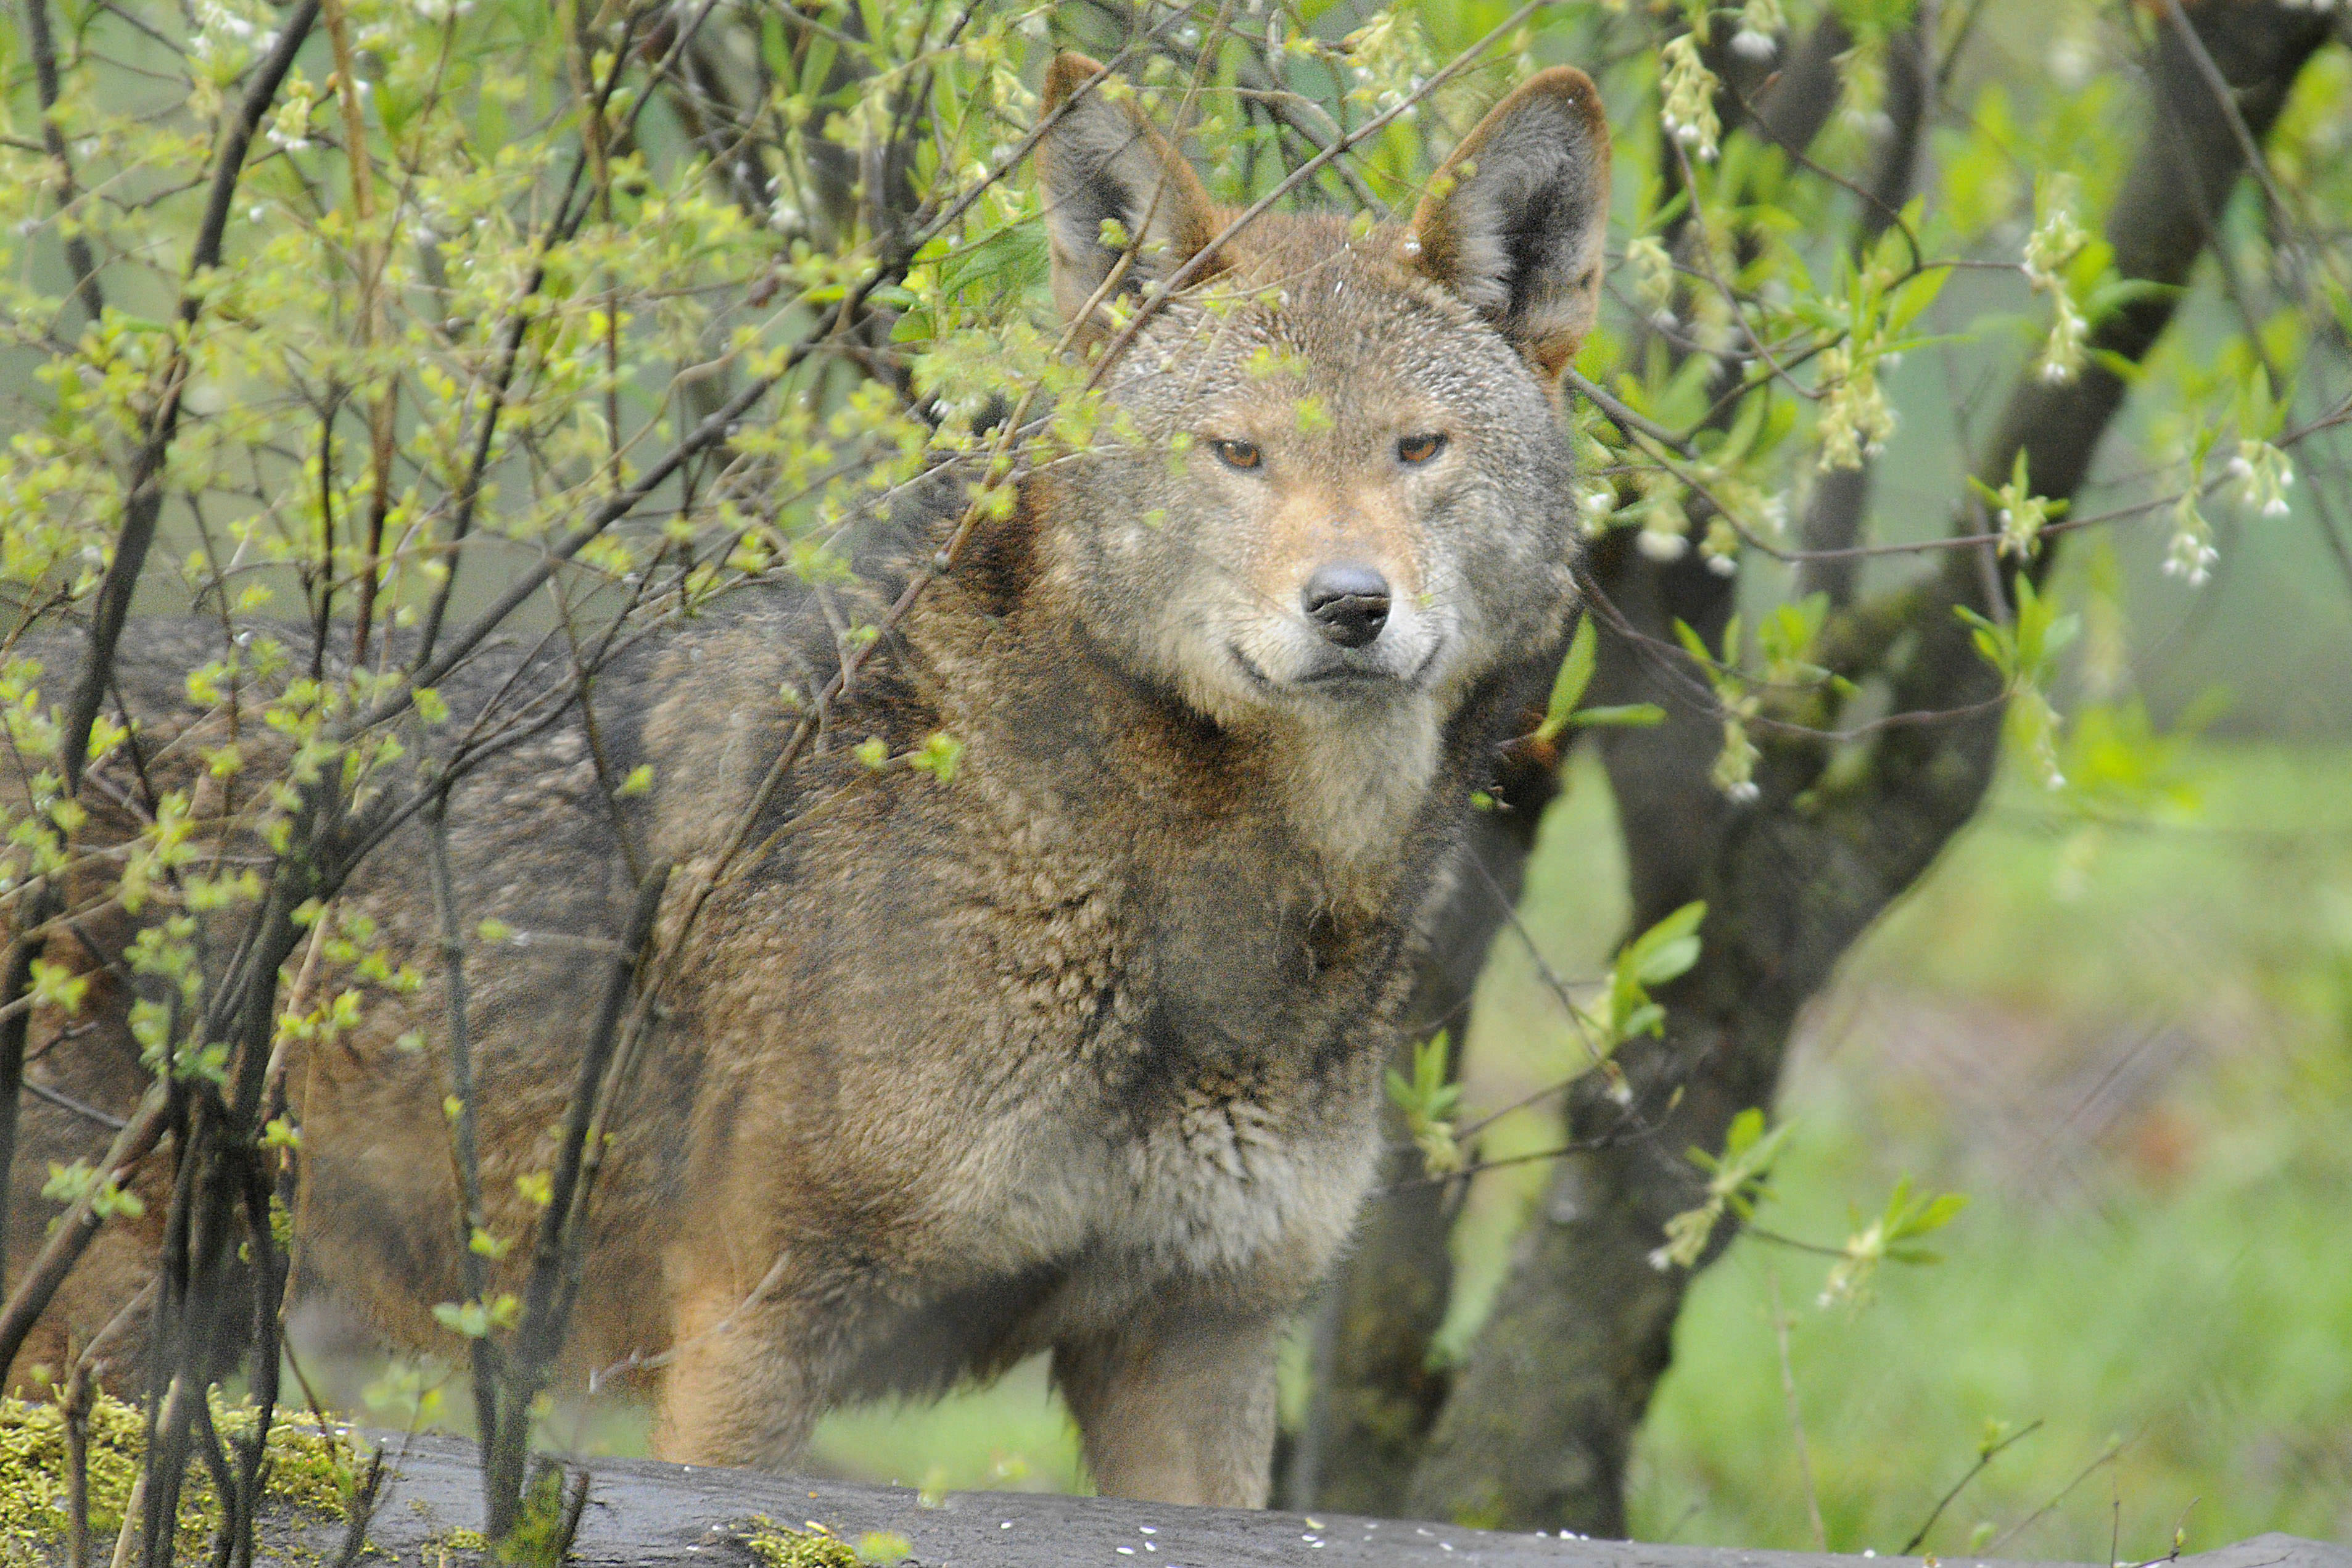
pixel 1077 1052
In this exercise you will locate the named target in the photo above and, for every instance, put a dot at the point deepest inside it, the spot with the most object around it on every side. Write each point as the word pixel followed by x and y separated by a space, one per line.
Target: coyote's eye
pixel 1415 450
pixel 1238 454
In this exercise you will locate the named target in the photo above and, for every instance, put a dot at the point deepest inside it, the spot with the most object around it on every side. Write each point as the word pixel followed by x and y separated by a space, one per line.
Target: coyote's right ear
pixel 1515 220
pixel 1101 161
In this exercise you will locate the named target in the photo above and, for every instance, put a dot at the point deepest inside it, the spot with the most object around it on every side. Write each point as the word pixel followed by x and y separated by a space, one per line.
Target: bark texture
pixel 1537 1425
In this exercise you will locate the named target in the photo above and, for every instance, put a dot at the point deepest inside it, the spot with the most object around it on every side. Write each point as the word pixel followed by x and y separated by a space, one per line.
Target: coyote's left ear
pixel 1515 220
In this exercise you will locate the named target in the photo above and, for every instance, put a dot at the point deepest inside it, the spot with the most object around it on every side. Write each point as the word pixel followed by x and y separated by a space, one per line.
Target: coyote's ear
pixel 1515 220
pixel 1101 161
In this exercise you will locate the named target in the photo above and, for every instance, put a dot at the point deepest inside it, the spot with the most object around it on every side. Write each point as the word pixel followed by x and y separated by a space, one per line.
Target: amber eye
pixel 1415 450
pixel 1238 454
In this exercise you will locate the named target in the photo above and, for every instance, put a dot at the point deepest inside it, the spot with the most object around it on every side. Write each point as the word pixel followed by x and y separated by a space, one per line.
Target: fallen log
pixel 644 1513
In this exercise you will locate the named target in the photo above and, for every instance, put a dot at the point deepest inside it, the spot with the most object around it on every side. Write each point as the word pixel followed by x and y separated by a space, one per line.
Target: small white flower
pixel 1660 545
pixel 2071 62
pixel 2190 554
pixel 1688 90
pixel 2264 477
pixel 1760 24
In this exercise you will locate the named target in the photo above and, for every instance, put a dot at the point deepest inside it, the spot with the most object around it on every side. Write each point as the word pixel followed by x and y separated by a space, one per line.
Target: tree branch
pixel 44 77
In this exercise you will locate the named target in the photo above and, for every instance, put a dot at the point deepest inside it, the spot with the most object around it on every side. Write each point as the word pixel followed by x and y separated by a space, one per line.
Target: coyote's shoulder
pixel 1072 1045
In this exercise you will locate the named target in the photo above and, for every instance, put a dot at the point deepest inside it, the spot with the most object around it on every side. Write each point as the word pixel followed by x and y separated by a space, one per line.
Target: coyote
pixel 1078 1050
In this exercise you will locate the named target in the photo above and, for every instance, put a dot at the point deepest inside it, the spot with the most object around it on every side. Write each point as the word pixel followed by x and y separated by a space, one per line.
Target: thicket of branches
pixel 372 334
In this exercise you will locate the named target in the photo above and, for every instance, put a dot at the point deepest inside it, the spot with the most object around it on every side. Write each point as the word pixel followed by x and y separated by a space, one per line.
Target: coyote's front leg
pixel 745 1382
pixel 1177 1407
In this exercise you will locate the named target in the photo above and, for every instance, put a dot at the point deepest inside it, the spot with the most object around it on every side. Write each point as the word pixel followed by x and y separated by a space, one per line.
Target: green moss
pixel 777 1547
pixel 306 1472
pixel 884 1548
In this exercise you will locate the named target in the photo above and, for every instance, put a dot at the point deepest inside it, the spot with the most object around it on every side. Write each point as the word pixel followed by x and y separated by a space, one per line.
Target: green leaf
pixel 1669 933
pixel 1646 1018
pixel 470 1319
pixel 1746 1128
pixel 1575 674
pixel 1668 959
pixel 1693 644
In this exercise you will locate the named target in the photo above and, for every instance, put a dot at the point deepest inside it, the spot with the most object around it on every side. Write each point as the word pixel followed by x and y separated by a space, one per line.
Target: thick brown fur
pixel 1079 1051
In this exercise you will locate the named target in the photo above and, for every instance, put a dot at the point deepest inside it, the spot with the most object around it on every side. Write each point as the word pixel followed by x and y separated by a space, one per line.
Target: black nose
pixel 1348 601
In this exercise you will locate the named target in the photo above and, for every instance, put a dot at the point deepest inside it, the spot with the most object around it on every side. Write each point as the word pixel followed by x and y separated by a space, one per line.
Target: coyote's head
pixel 1351 495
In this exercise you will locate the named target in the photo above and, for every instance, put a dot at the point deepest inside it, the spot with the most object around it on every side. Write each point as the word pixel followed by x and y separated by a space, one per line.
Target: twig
pixel 564 1227
pixel 143 501
pixel 124 1316
pixel 73 1230
pixel 112 1122
pixel 1503 1161
pixel 133 1508
pixel 573 1508
pixel 1984 1457
pixel 383 407
pixel 2084 1474
pixel 1705 249
pixel 1796 1416
pixel 599 517
pixel 1625 419
pixel 463 1148
pixel 363 1509
pixel 2227 100
pixel 79 1392
pixel 78 255
pixel 566 222
pixel 1795 1244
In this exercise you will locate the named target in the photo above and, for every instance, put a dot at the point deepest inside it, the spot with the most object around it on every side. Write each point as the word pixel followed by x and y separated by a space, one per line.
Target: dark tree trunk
pixel 1536 1427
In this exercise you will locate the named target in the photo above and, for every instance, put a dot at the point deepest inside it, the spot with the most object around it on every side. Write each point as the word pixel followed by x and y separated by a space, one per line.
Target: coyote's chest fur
pixel 1155 987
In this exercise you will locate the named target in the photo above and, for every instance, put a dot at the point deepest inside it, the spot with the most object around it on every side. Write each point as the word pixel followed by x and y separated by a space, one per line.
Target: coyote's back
pixel 1078 1048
